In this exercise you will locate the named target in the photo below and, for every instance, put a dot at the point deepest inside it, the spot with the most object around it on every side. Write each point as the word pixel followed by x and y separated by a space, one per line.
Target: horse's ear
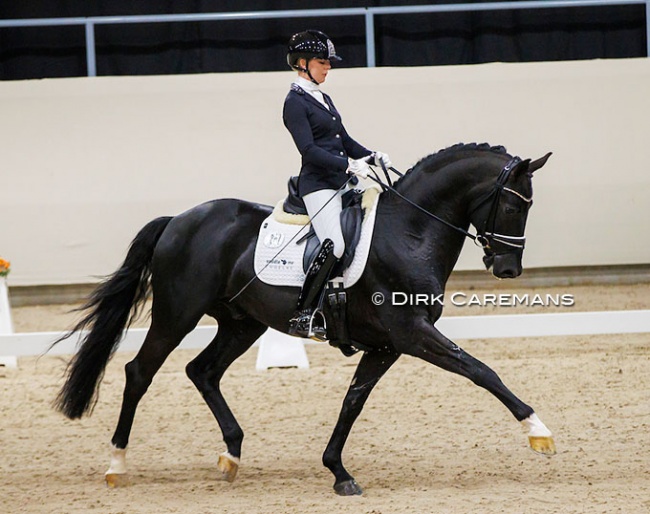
pixel 535 165
pixel 520 167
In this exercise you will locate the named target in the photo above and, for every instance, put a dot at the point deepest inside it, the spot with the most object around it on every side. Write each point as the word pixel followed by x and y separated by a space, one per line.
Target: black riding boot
pixel 302 323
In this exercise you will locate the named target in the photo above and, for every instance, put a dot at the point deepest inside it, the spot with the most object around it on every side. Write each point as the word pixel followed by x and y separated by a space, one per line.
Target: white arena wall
pixel 86 162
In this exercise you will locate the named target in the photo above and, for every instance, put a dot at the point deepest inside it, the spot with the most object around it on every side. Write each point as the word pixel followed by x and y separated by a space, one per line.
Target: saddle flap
pixel 351 221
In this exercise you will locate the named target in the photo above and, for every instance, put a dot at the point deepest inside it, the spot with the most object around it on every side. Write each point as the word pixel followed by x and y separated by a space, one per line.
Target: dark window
pixel 259 45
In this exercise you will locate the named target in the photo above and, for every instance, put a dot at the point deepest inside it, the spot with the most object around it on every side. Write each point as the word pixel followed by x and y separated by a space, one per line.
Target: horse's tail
pixel 113 306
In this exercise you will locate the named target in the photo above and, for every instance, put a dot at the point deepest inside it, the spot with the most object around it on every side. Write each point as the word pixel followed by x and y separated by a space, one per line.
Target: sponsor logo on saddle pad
pixel 278 259
pixel 274 240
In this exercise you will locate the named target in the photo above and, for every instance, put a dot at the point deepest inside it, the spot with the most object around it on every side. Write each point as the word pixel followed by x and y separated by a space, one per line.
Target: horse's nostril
pixel 508 273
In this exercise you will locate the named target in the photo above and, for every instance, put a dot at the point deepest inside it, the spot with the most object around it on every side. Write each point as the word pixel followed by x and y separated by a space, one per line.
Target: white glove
pixel 358 167
pixel 380 156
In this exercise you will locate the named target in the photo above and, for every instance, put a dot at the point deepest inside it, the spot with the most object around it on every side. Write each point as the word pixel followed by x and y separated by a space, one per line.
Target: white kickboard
pixel 9 361
pixel 6 325
pixel 278 350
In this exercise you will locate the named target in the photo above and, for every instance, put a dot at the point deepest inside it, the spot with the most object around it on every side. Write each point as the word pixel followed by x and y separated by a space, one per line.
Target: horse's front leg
pixel 429 344
pixel 370 369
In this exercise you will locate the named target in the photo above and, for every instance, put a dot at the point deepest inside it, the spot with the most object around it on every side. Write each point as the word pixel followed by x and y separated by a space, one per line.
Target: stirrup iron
pixel 309 324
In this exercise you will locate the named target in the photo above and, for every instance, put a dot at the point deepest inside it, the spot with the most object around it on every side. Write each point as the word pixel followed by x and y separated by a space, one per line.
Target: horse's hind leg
pixel 435 348
pixel 233 338
pixel 158 344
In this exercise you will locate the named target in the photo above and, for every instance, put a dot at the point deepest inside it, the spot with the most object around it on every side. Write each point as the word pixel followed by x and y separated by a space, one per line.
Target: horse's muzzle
pixel 505 265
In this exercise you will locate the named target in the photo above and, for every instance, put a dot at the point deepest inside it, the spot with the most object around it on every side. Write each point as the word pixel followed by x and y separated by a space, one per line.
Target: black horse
pixel 198 261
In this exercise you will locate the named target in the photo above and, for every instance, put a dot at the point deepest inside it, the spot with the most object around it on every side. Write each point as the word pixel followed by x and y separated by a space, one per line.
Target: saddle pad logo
pixel 274 240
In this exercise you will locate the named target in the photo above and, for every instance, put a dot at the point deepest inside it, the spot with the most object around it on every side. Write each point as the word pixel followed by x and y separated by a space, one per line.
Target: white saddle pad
pixel 278 259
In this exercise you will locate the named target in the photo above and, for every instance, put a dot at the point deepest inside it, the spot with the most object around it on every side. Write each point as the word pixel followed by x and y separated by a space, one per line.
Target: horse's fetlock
pixel 233 439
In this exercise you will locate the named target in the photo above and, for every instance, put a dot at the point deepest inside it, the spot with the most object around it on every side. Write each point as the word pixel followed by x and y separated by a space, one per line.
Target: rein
pixel 479 240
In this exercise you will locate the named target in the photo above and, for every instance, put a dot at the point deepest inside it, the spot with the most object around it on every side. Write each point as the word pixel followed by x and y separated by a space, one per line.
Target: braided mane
pixel 436 159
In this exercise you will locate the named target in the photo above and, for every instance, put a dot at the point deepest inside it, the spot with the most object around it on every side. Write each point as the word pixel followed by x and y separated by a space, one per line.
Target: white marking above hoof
pixel 116 475
pixel 118 461
pixel 535 427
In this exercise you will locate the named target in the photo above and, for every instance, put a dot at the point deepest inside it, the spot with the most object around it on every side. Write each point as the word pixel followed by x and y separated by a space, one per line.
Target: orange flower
pixel 5 267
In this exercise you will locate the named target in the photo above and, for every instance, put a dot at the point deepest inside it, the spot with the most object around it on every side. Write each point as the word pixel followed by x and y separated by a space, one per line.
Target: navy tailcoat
pixel 322 141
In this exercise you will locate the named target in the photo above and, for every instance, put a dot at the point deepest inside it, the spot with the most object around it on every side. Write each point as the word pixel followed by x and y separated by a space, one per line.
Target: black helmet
pixel 310 44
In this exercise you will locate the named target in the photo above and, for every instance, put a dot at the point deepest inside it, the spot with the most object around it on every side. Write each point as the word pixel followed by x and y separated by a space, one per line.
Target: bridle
pixel 510 241
pixel 487 237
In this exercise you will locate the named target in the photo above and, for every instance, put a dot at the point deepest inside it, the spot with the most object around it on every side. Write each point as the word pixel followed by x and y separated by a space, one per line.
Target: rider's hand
pixel 380 156
pixel 358 167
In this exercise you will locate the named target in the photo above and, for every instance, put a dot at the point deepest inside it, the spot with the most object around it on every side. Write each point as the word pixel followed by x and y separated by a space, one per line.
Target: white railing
pixel 368 12
pixel 496 326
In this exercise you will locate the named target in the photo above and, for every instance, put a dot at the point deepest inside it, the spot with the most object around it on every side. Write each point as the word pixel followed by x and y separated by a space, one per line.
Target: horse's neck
pixel 444 193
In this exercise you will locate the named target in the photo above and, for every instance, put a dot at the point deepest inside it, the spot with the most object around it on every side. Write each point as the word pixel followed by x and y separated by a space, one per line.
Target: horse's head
pixel 500 217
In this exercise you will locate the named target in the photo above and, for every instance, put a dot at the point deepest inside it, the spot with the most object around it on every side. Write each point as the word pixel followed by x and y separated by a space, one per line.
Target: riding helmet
pixel 310 44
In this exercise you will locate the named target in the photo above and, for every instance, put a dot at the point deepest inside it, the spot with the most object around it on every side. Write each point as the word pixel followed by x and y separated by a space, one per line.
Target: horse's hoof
pixel 228 465
pixel 542 445
pixel 348 488
pixel 114 480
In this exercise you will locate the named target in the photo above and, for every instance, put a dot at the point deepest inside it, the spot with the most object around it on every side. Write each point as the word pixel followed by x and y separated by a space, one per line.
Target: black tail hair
pixel 113 306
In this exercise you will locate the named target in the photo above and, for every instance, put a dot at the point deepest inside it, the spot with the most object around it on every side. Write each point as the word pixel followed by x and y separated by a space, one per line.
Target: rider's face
pixel 318 69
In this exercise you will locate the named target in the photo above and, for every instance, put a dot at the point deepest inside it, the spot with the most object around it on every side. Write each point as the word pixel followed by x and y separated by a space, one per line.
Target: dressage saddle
pixel 351 219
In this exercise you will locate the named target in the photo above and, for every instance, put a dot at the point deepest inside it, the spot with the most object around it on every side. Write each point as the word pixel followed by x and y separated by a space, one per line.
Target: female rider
pixel 329 154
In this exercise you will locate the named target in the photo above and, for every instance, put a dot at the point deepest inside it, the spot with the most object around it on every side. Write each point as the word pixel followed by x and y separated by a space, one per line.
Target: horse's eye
pixel 511 210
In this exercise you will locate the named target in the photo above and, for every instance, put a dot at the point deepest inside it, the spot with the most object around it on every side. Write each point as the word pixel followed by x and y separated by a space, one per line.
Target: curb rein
pixel 480 240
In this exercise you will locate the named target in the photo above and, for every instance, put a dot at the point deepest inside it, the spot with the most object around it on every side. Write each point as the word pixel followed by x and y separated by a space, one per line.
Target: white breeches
pixel 326 216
